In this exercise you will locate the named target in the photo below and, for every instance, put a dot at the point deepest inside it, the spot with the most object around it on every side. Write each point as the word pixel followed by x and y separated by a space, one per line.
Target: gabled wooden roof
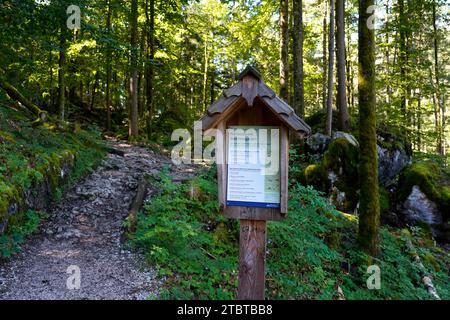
pixel 247 89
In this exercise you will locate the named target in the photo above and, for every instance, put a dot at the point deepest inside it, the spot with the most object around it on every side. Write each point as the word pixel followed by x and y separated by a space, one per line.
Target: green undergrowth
pixel 24 225
pixel 309 254
pixel 30 155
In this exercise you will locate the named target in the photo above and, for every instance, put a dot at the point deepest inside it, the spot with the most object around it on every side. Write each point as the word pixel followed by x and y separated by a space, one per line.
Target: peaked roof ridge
pixel 234 95
pixel 252 70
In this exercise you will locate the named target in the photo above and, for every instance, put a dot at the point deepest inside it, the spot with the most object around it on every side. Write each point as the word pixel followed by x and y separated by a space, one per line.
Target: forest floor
pixel 85 229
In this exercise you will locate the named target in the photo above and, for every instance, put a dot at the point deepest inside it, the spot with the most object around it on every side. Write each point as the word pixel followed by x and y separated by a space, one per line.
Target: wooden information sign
pixel 252 148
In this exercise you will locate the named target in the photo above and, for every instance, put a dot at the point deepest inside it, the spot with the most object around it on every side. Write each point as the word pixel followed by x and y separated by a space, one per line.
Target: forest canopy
pixel 184 53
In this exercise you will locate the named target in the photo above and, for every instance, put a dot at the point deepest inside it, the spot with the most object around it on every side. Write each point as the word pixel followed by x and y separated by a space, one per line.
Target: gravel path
pixel 83 233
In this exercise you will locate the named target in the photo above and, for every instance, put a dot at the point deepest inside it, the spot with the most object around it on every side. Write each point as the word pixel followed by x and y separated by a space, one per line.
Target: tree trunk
pixel 205 75
pixel 388 59
pixel 419 122
pixel 437 91
pixel 298 103
pixel 108 68
pixel 402 57
pixel 437 114
pixel 149 74
pixel 369 208
pixel 324 56
pixel 61 74
pixel 211 88
pixel 81 92
pixel 284 40
pixel 134 130
pixel 342 87
pixel 94 91
pixel 348 72
pixel 14 94
pixel 329 120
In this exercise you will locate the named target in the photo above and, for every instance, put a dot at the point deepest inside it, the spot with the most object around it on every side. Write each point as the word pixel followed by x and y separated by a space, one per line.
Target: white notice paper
pixel 253 178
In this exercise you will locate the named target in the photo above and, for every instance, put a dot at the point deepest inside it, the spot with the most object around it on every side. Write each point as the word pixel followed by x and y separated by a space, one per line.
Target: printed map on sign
pixel 253 166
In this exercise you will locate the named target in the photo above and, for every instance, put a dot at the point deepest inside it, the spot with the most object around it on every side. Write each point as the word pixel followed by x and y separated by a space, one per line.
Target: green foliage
pixel 309 253
pixel 25 224
pixel 183 234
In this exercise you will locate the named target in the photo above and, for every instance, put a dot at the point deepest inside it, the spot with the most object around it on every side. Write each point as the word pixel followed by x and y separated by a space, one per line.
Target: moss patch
pixel 384 199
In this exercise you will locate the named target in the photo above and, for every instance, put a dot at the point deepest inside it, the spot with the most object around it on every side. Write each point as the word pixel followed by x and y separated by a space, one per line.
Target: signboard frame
pixel 260 203
pixel 258 213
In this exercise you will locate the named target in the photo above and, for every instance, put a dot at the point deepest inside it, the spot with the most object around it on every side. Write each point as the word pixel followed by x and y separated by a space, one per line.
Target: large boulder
pixel 347 136
pixel 417 207
pixel 317 142
pixel 337 174
pixel 391 162
pixel 424 196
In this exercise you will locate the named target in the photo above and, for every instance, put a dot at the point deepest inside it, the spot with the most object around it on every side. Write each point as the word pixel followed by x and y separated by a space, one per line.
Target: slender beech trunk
pixel 61 74
pixel 369 208
pixel 141 74
pixel 388 59
pixel 298 103
pixel 149 74
pixel 284 40
pixel 211 91
pixel 348 72
pixel 134 127
pixel 437 114
pixel 437 91
pixel 205 74
pixel 419 122
pixel 344 117
pixel 52 96
pixel 402 57
pixel 81 92
pixel 324 55
pixel 94 91
pixel 108 68
pixel 329 119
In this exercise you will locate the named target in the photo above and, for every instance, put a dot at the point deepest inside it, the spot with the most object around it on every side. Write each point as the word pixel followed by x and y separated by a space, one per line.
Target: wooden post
pixel 252 254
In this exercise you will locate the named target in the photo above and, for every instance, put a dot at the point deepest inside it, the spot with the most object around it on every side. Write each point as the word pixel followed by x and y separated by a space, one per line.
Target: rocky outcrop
pixel 418 207
pixel 337 172
pixel 39 196
pixel 391 162
pixel 317 143
pixel 347 136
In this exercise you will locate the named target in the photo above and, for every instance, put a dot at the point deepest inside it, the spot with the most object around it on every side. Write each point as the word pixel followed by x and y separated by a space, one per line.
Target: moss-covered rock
pixel 431 180
pixel 336 173
pixel 341 158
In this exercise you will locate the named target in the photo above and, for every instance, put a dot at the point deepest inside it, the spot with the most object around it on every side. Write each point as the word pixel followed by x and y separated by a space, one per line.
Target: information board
pixel 253 160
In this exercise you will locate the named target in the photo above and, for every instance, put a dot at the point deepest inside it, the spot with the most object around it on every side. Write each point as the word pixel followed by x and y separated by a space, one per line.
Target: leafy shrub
pixel 29 223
